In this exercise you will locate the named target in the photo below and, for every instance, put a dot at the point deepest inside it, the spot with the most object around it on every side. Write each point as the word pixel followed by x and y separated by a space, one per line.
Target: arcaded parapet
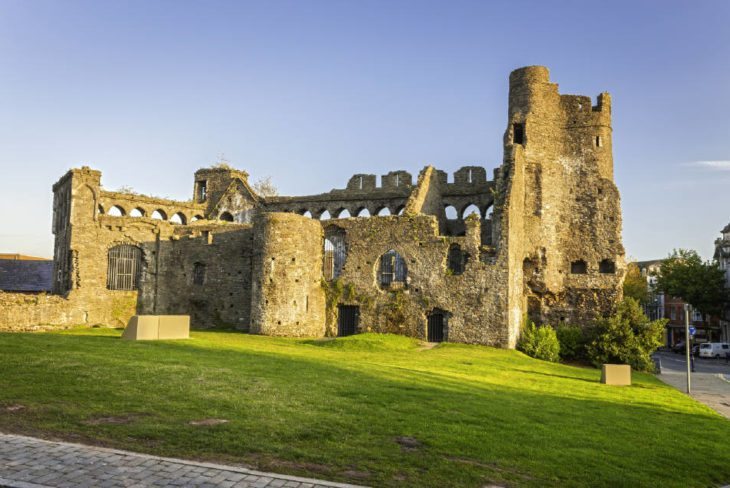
pixel 571 220
pixel 287 298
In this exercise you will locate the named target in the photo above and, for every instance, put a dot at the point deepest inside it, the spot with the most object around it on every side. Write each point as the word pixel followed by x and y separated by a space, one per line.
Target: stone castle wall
pixel 545 241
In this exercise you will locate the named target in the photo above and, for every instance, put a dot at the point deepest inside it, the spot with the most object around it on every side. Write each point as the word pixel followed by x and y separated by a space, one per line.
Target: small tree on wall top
pixel 635 285
pixel 700 283
pixel 265 187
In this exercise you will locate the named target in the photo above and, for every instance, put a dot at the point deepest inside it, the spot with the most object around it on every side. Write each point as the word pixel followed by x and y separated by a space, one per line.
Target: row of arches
pixel 158 214
pixel 453 214
pixel 344 213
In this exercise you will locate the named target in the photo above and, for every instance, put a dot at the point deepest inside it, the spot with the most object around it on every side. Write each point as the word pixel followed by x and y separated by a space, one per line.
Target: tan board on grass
pixel 616 374
pixel 157 327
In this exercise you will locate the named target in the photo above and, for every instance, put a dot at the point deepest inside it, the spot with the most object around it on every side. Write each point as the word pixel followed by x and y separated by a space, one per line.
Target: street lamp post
pixel 686 345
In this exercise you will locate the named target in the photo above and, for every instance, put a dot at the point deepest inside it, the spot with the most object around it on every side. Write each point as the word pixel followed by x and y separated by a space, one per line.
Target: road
pixel 710 381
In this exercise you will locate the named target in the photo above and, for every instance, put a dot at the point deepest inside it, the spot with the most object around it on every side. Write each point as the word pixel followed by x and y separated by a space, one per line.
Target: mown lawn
pixel 369 409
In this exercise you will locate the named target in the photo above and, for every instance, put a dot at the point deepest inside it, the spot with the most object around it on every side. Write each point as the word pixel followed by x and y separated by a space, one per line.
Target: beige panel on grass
pixel 616 374
pixel 154 327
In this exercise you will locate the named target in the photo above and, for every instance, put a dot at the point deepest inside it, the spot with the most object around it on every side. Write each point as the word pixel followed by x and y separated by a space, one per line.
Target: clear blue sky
pixel 311 92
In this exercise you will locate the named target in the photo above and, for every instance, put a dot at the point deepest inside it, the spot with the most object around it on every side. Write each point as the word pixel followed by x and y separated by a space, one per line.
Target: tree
pixel 700 283
pixel 626 337
pixel 265 187
pixel 635 285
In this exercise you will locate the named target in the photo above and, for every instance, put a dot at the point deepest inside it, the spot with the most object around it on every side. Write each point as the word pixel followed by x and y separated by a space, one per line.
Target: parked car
pixel 679 347
pixel 714 349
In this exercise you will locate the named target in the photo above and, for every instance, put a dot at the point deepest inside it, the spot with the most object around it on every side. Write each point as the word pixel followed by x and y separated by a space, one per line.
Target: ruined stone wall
pixel 474 301
pixel 571 204
pixel 287 296
pixel 221 255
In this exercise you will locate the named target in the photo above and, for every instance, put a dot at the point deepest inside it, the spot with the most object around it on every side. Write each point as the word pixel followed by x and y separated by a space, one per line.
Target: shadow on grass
pixel 285 407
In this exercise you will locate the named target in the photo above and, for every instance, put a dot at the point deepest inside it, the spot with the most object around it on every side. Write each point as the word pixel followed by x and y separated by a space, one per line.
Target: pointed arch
pixel 178 218
pixel 307 214
pixel 363 212
pixel 471 209
pixel 344 214
pixel 325 215
pixel 384 212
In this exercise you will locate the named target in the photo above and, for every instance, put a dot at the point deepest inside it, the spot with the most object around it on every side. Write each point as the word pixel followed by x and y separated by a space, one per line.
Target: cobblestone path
pixel 26 462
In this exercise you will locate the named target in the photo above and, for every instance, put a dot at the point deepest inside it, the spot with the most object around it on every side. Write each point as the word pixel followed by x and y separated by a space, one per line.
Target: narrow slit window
pixel 599 143
pixel 518 133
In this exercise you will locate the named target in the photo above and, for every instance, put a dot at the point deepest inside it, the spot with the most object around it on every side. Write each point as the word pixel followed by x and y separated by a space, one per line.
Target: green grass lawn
pixel 369 409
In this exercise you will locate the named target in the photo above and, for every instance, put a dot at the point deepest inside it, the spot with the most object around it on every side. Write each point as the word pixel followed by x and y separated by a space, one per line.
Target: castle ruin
pixel 543 240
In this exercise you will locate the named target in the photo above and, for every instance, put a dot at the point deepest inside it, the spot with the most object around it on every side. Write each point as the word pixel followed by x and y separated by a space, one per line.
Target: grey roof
pixel 20 275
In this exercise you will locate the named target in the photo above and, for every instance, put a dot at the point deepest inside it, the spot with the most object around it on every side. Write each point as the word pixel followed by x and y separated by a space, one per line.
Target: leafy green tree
pixel 635 285
pixel 700 283
pixel 626 337
pixel 539 342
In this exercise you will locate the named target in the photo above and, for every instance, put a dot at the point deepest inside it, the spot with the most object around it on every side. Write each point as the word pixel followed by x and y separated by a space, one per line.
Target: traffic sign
pixel 692 330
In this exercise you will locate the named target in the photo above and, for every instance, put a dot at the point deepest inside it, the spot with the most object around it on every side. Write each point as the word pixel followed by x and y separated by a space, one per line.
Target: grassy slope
pixel 334 410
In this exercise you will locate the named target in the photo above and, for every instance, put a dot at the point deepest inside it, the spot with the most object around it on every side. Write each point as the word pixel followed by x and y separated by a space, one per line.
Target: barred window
pixel 124 267
pixel 335 254
pixel 199 274
pixel 392 269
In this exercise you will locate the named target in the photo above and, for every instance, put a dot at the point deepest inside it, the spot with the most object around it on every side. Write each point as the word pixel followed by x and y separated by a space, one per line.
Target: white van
pixel 714 349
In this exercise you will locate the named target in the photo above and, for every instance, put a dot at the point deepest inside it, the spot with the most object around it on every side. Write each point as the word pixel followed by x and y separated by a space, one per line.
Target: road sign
pixel 692 330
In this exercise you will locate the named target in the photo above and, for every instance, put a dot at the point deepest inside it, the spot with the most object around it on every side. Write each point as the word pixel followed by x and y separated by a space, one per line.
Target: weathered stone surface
pixel 551 248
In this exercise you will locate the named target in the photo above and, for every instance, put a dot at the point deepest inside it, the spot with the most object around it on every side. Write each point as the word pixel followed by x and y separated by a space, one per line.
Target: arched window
pixel 178 218
pixel 334 254
pixel 124 267
pixel 344 214
pixel 196 218
pixel 159 215
pixel 116 211
pixel 578 267
pixel 384 212
pixel 457 259
pixel 451 213
pixel 136 212
pixel 325 215
pixel 607 267
pixel 392 269
pixel 363 212
pixel 199 274
pixel 400 210
pixel 471 209
pixel 226 217
pixel 488 213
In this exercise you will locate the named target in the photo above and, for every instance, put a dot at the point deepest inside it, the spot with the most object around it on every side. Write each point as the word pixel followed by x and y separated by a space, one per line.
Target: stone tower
pixel 564 208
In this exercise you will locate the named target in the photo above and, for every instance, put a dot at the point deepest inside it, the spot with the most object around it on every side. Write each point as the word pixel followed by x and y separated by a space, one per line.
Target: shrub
pixel 627 337
pixel 573 341
pixel 539 342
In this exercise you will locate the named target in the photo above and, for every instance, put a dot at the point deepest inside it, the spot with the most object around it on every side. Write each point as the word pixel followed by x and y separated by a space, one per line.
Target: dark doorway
pixel 436 326
pixel 348 320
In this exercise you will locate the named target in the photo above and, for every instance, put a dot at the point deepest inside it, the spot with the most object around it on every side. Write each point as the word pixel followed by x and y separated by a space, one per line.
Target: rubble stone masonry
pixel 543 239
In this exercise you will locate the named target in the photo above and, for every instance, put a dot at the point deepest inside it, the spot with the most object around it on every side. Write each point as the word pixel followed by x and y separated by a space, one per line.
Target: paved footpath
pixel 710 381
pixel 27 462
